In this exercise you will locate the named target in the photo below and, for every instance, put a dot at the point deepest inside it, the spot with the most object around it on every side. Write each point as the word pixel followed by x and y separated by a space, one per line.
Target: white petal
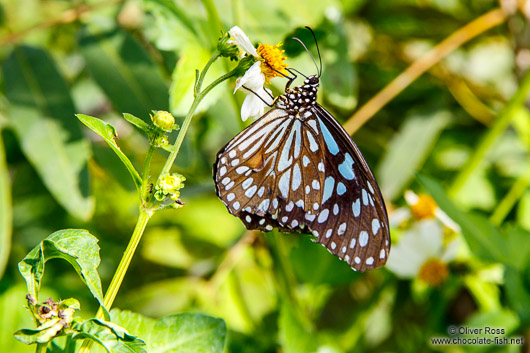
pixel 411 197
pixel 253 78
pixel 451 250
pixel 448 222
pixel 430 237
pixel 399 216
pixel 242 41
pixel 406 257
pixel 252 107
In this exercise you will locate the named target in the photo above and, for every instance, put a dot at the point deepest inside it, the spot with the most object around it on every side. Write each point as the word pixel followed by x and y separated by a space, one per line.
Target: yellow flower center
pixel 273 61
pixel 433 272
pixel 424 208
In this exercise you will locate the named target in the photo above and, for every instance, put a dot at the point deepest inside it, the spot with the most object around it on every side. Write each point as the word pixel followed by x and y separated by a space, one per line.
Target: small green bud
pixel 161 141
pixel 227 49
pixel 164 120
pixel 168 186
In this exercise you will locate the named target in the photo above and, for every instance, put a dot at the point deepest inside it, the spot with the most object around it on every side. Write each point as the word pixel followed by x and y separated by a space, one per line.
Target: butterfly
pixel 298 170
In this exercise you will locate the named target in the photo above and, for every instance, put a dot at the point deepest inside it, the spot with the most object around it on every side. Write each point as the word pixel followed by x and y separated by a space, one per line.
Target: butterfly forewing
pixel 300 171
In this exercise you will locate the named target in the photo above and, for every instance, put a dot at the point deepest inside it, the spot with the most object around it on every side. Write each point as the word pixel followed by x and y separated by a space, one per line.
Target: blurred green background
pixel 457 126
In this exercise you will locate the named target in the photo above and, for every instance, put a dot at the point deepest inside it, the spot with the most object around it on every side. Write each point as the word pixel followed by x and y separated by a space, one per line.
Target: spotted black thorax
pixel 298 100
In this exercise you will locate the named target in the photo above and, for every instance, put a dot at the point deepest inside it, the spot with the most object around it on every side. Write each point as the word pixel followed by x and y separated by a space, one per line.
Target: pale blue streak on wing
pixel 329 184
pixel 328 138
pixel 346 168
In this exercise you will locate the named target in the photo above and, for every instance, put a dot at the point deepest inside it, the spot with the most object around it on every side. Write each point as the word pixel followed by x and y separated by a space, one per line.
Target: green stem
pixel 511 198
pixel 41 347
pixel 145 174
pixel 286 279
pixel 115 284
pixel 504 119
pixel 117 280
pixel 189 116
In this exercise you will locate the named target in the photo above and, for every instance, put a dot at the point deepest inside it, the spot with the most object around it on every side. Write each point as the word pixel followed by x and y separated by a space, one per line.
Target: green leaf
pixel 108 133
pixel 77 246
pixel 6 210
pixel 408 150
pixel 122 68
pixel 139 123
pixel 518 292
pixel 499 319
pixel 44 334
pixel 180 333
pixel 295 337
pixel 518 256
pixel 483 238
pixel 110 336
pixel 41 113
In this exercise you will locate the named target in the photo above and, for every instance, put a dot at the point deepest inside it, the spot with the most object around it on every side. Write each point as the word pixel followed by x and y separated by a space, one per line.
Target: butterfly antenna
pixel 308 52
pixel 318 50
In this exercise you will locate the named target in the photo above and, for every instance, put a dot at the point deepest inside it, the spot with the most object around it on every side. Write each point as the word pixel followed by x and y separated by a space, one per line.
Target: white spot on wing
pixel 323 216
pixel 283 184
pixel 363 238
pixel 356 207
pixel 297 177
pixel 250 192
pixel 365 197
pixel 375 226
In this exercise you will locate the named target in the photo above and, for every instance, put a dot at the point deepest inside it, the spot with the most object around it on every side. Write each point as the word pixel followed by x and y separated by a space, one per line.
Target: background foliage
pixel 457 125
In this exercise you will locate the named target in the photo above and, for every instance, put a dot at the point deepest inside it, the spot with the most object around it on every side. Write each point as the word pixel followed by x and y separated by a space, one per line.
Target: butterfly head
pixel 300 99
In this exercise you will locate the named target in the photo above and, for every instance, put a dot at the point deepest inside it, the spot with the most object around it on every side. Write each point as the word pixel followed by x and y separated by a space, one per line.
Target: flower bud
pixel 164 120
pixel 227 48
pixel 168 186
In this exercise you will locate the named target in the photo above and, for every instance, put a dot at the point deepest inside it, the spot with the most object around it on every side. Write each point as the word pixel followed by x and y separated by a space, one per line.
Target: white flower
pixel 242 41
pixel 253 82
pixel 423 242
pixel 254 79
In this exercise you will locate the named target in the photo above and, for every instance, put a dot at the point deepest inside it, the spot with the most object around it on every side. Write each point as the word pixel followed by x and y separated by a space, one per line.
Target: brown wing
pixel 305 175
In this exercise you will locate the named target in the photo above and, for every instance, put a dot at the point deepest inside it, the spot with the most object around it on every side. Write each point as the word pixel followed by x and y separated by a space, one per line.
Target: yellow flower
pixel 272 58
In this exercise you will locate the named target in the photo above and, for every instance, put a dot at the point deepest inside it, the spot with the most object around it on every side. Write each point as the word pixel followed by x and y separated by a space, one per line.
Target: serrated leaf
pixel 482 237
pixel 113 338
pixel 139 123
pixel 122 68
pixel 108 133
pixel 408 149
pixel 77 246
pixel 41 113
pixel 6 209
pixel 180 333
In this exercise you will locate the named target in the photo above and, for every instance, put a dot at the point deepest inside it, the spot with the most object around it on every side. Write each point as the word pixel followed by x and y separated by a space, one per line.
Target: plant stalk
pixel 117 280
pixel 189 116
